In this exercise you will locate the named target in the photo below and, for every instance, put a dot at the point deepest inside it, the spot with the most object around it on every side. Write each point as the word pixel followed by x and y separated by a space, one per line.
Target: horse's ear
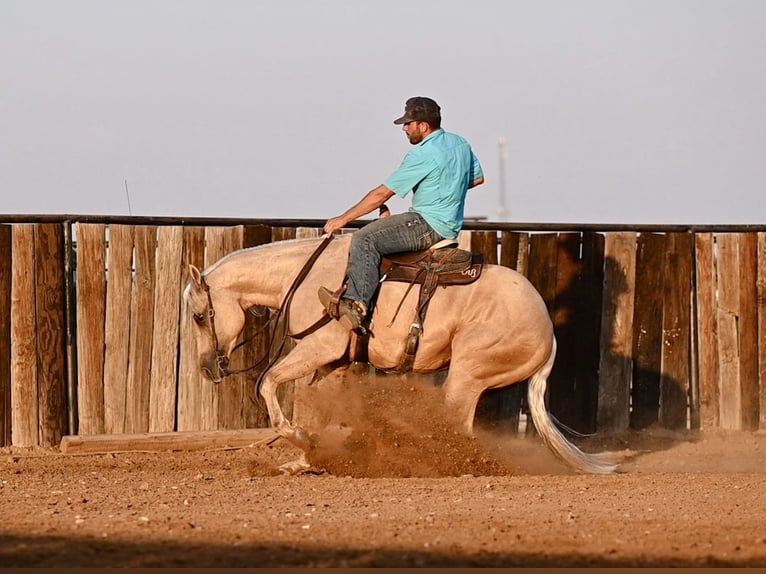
pixel 196 276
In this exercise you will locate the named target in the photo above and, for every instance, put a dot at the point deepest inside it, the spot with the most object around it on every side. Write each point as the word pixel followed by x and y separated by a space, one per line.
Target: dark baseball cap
pixel 419 109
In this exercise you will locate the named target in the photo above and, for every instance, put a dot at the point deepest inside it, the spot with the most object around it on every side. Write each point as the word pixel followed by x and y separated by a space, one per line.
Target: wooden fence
pixel 655 326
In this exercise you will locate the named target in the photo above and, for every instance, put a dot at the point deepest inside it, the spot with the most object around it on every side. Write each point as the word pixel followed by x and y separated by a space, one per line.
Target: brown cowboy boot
pixel 350 313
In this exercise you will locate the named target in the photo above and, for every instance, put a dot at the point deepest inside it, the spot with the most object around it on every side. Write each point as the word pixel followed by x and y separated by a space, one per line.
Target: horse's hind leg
pixel 461 395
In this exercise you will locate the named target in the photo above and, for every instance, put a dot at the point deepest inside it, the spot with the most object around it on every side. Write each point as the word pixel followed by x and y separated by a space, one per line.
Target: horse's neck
pixel 262 275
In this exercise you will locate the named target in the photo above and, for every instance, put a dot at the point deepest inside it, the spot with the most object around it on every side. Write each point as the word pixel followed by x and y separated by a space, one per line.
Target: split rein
pixel 282 313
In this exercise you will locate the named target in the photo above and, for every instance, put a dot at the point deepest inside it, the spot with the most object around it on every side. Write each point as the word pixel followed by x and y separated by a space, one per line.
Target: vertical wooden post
pixel 167 305
pixel 25 421
pixel 617 332
pixel 761 310
pixel 6 256
pixel 588 308
pixel 708 366
pixel 577 282
pixel 141 330
pixel 748 330
pixel 50 313
pixel 91 294
pixel 676 317
pixel 510 247
pixel 190 380
pixel 728 330
pixel 117 336
pixel 647 331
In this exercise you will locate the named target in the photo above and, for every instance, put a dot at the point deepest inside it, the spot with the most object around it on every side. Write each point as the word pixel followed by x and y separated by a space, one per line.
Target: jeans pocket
pixel 429 236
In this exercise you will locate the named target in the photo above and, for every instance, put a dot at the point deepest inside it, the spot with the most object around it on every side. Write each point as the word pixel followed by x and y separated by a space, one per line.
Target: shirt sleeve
pixel 414 168
pixel 476 170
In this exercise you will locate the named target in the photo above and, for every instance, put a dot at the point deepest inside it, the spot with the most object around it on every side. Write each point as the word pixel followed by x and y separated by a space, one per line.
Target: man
pixel 439 172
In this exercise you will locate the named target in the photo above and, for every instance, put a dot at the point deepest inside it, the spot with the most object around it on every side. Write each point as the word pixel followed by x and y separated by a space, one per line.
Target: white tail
pixel 552 437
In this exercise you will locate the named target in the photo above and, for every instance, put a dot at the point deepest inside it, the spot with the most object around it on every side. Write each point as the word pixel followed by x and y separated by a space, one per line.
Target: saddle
pixel 441 264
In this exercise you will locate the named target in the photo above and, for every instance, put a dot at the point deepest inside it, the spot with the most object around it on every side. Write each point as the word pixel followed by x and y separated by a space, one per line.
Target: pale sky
pixel 614 111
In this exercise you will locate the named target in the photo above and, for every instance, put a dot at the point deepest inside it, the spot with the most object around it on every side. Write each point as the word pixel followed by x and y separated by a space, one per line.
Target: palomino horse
pixel 489 334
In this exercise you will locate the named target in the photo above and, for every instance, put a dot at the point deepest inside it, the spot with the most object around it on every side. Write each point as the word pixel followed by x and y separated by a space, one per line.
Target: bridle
pixel 222 360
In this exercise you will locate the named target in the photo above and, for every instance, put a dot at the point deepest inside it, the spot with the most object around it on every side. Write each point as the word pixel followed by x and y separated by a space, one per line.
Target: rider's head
pixel 421 109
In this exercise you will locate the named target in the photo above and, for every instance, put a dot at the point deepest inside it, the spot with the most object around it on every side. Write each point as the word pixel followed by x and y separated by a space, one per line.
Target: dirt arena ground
pixel 396 487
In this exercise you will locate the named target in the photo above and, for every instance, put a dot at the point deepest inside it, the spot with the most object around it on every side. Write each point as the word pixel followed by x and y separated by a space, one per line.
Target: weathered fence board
pixel 6 266
pixel 24 340
pixel 728 335
pixel 761 310
pixel 141 329
pixel 167 307
pixel 647 333
pixel 748 329
pixel 708 365
pixel 117 326
pixel 541 270
pixel 587 318
pixel 192 388
pixel 510 246
pixel 617 332
pixel 50 320
pixel 675 376
pixel 91 294
pixel 184 440
pixel 563 400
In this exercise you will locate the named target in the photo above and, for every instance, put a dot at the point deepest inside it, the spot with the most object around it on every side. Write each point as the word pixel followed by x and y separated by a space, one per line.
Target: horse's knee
pixel 462 403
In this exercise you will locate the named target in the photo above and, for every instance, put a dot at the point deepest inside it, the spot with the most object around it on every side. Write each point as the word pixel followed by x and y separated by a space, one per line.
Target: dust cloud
pixel 374 425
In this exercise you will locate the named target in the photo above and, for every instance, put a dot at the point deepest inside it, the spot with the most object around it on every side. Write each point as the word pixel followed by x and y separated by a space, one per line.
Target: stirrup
pixel 330 300
pixel 350 314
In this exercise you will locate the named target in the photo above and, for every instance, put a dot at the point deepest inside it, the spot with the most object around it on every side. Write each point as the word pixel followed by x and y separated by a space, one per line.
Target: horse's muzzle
pixel 216 374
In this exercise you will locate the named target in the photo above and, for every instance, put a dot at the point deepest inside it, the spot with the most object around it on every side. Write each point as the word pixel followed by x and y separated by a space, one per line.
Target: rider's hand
pixel 334 225
pixel 383 211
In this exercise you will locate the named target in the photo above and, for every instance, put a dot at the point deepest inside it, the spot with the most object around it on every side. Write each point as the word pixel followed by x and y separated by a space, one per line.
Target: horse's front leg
pixel 284 427
pixel 308 355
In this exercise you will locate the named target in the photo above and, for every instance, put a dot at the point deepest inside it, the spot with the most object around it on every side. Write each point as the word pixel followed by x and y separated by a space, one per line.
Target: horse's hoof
pixel 294 467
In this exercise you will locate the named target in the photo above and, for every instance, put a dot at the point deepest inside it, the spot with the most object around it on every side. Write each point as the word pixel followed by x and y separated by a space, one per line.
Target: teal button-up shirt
pixel 439 172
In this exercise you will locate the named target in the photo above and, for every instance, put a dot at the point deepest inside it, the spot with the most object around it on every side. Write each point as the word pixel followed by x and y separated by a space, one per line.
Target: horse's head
pixel 216 321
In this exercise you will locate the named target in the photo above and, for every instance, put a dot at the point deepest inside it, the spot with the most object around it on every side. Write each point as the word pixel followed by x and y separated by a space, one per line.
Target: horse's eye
pixel 199 318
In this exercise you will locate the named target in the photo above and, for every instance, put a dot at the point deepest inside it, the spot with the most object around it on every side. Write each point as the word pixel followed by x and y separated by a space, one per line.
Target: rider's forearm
pixel 373 200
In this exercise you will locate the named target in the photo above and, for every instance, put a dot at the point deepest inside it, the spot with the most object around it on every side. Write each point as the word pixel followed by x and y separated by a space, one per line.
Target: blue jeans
pixel 394 234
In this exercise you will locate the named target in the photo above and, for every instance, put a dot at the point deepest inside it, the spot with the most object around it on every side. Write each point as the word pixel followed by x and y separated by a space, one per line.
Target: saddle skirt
pixel 445 265
pixel 429 269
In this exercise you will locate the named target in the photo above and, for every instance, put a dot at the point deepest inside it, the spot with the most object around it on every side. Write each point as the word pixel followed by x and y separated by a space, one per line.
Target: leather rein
pixel 282 313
